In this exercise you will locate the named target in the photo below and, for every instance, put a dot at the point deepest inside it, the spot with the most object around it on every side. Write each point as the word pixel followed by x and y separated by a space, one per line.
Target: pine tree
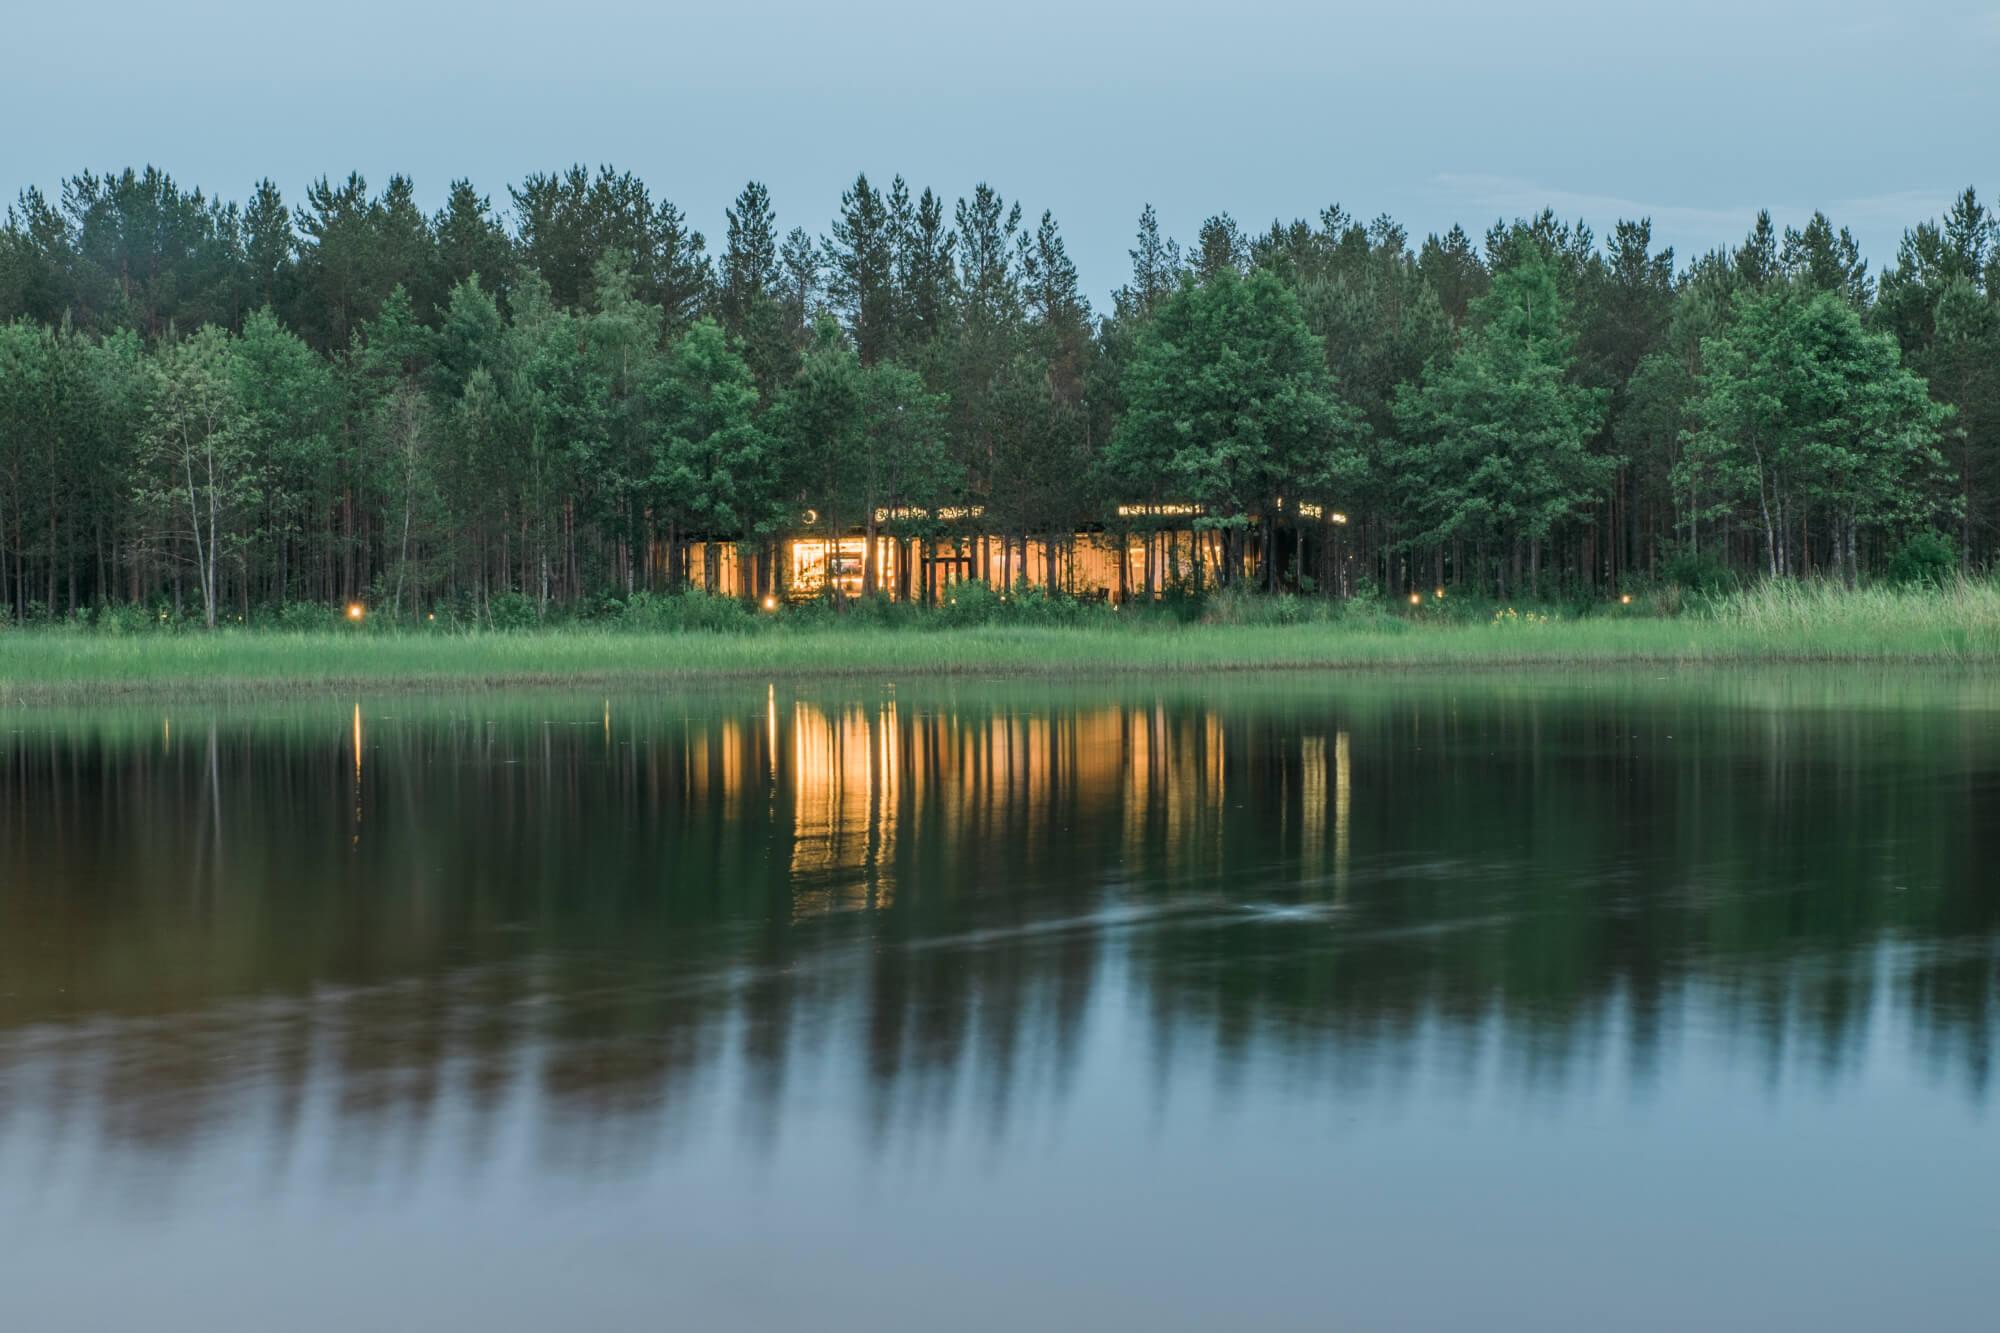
pixel 268 244
pixel 470 243
pixel 1820 260
pixel 1218 248
pixel 1156 269
pixel 925 245
pixel 749 257
pixel 861 270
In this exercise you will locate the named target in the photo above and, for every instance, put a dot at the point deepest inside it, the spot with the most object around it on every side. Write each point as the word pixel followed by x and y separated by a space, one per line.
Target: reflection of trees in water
pixel 918 898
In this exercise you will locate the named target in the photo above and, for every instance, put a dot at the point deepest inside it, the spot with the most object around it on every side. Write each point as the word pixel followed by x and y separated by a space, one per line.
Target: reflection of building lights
pixel 354 611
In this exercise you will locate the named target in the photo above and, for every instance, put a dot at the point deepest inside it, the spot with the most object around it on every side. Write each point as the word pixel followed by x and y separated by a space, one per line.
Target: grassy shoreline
pixel 1776 625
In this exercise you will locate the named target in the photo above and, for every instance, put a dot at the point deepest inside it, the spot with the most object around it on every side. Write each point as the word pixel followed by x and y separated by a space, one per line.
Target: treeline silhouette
pixel 545 407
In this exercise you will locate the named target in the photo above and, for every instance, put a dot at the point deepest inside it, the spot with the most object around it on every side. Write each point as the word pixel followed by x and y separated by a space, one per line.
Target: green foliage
pixel 688 610
pixel 1235 605
pixel 511 610
pixel 715 469
pixel 306 617
pixel 1803 415
pixel 1925 557
pixel 212 409
pixel 1229 399
pixel 1499 435
pixel 1691 571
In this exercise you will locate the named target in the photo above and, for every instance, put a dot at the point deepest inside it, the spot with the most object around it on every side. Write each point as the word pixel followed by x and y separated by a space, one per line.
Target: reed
pixel 1773 623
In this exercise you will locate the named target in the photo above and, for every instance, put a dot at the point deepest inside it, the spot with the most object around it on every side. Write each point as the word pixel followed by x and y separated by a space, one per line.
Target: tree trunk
pixel 868 554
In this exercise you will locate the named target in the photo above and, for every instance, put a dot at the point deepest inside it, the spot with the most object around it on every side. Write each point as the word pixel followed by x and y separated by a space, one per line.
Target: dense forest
pixel 219 409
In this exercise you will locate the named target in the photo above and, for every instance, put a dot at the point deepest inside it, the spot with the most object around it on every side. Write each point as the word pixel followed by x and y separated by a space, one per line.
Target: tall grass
pixel 1960 619
pixel 1772 623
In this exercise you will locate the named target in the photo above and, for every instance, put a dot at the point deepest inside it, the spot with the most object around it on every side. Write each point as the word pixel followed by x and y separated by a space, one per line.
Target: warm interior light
pixel 354 611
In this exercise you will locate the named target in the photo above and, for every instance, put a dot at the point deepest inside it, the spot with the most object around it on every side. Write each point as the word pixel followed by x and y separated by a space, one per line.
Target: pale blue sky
pixel 1459 110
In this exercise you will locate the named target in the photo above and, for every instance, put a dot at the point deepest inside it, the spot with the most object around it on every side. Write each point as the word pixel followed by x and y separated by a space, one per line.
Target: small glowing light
pixel 431 616
pixel 1626 599
pixel 354 611
pixel 1416 599
pixel 770 603
pixel 1440 592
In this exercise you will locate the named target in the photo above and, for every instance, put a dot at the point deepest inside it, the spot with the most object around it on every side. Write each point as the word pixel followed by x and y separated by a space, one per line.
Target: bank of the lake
pixel 1774 625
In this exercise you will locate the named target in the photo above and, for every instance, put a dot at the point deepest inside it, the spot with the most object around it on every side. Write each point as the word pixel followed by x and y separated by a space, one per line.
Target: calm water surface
pixel 1421 1002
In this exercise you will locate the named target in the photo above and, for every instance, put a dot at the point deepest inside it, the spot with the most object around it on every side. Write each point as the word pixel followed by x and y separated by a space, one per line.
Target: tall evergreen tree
pixel 471 242
pixel 861 270
pixel 749 271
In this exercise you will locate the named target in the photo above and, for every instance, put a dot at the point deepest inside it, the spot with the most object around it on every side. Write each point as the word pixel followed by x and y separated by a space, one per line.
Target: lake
pixel 1608 1000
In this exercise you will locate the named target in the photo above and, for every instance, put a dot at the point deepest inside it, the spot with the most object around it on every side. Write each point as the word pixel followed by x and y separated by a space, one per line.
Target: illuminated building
pixel 918 555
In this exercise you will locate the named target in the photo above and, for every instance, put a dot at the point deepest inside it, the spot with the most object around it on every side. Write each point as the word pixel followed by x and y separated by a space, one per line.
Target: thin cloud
pixel 1509 196
pixel 1689 228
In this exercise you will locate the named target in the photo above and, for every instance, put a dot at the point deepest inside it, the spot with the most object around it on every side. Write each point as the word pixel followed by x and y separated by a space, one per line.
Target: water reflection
pixel 412 927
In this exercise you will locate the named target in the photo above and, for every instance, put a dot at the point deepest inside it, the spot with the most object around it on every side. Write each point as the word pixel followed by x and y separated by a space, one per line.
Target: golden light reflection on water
pixel 594 923
pixel 857 783
pixel 845 777
pixel 355 839
pixel 1343 799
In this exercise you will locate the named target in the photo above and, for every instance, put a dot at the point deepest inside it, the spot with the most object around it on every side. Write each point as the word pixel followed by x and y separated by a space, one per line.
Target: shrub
pixel 305 617
pixel 124 619
pixel 688 610
pixel 972 602
pixel 877 611
pixel 1032 604
pixel 1702 575
pixel 1184 597
pixel 510 610
pixel 1928 558
pixel 1241 605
